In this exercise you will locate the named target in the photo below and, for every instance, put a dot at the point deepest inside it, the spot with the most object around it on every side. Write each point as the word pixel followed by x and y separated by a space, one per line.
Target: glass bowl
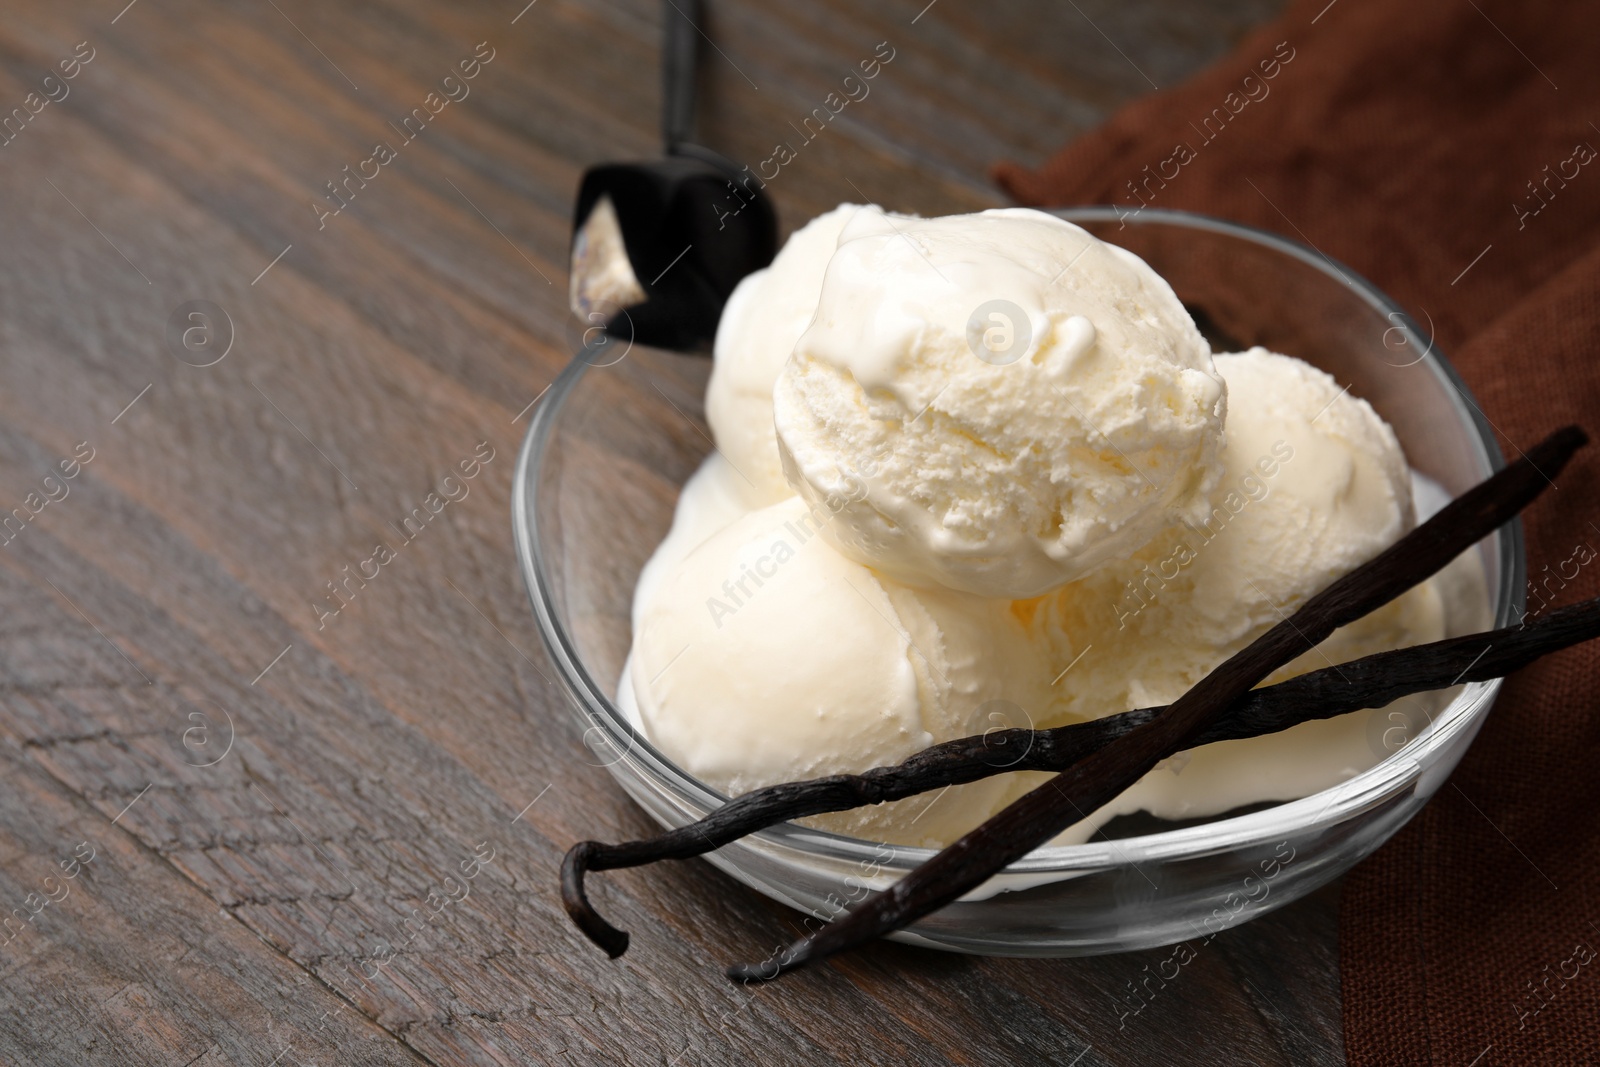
pixel 622 428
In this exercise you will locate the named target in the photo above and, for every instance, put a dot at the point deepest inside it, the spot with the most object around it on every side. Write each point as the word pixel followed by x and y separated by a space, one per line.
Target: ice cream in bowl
pixel 949 477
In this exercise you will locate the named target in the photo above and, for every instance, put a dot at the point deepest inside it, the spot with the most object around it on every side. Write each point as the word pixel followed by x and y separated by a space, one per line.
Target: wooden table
pixel 259 802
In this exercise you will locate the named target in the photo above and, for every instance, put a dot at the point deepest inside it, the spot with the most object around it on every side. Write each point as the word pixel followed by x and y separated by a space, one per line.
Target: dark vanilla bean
pixel 1096 780
pixel 1369 682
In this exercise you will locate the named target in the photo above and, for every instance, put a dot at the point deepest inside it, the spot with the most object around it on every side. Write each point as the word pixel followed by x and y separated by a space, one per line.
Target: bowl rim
pixel 1259 828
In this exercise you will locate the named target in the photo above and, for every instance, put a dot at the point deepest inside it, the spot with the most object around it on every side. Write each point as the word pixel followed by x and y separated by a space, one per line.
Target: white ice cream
pixel 996 403
pixel 1314 485
pixel 763 319
pixel 713 497
pixel 764 656
pixel 781 636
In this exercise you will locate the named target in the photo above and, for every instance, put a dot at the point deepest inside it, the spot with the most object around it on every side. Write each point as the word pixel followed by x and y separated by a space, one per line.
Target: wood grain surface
pixel 326 837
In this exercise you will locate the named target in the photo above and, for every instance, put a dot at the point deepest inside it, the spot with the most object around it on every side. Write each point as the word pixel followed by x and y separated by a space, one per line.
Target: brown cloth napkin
pixel 1446 149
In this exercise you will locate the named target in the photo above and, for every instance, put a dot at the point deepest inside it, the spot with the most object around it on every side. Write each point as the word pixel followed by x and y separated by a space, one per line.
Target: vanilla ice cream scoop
pixel 764 656
pixel 996 403
pixel 1314 484
pixel 762 320
pixel 1346 496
